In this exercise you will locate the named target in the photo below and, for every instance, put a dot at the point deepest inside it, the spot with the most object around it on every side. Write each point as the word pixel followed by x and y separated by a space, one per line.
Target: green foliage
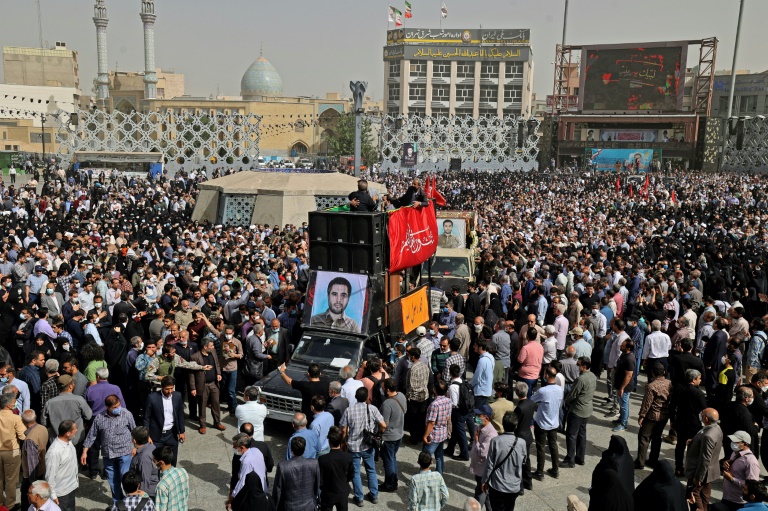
pixel 341 138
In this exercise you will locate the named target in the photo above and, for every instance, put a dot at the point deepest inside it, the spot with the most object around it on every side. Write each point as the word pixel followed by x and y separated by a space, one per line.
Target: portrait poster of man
pixel 410 153
pixel 338 301
pixel 451 233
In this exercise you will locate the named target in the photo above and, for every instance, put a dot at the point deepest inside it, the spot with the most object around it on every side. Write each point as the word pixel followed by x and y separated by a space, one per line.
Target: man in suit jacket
pixel 414 195
pixel 205 385
pixel 337 471
pixel 297 481
pixel 702 463
pixel 52 300
pixel 337 403
pixel 525 411
pixel 737 417
pixel 155 419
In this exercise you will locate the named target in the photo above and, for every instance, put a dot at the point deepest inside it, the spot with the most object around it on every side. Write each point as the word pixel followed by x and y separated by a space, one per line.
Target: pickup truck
pixel 451 267
pixel 330 350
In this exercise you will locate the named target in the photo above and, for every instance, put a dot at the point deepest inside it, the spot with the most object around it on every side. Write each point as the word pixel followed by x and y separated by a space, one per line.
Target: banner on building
pixel 626 160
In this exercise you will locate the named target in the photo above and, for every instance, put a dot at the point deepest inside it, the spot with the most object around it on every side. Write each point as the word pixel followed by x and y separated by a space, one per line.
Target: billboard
pixel 410 154
pixel 338 301
pixel 515 36
pixel 627 135
pixel 633 77
pixel 458 53
pixel 612 160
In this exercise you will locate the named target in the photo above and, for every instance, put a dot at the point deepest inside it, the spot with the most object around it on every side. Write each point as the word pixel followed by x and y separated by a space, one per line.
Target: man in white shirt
pixel 656 348
pixel 350 386
pixel 252 411
pixel 61 467
pixel 113 295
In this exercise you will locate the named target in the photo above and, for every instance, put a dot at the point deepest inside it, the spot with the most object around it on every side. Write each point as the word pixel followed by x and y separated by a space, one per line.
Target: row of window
pixel 460 112
pixel 464 93
pixel 488 70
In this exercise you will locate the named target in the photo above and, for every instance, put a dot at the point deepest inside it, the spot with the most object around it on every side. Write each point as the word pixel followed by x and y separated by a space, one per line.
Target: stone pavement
pixel 207 458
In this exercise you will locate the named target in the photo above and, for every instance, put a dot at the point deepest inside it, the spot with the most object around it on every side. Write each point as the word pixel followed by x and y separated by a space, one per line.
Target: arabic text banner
pixel 606 160
pixel 459 53
pixel 412 236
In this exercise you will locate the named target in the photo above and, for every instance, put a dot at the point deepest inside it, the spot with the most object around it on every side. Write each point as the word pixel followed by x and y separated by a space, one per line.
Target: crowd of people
pixel 122 320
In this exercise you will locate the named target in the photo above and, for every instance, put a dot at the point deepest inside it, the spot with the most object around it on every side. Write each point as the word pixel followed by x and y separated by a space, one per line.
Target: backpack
pixel 466 398
pixel 764 357
pixel 376 397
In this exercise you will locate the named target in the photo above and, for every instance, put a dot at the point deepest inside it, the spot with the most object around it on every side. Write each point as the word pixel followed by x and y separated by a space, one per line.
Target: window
pixel 418 93
pixel 418 69
pixel 298 127
pixel 441 93
pixel 514 70
pixel 441 70
pixel 465 70
pixel 489 93
pixel 489 70
pixel 488 112
pixel 748 105
pixel 394 92
pixel 464 112
pixel 513 93
pixel 393 112
pixel 418 112
pixel 394 69
pixel 440 112
pixel 465 93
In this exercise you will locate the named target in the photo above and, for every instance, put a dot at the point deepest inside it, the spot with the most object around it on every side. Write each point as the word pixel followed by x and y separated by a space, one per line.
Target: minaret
pixel 100 20
pixel 150 77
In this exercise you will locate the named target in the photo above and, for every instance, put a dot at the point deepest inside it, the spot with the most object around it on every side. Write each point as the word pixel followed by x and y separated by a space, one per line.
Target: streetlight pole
pixel 42 120
pixel 733 67
pixel 565 21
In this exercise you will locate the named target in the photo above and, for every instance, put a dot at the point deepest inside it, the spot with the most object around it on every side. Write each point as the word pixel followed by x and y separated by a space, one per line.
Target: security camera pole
pixel 358 91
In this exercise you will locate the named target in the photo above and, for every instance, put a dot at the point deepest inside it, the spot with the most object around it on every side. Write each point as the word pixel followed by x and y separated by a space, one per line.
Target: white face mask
pixel 764 388
pixel 478 328
pixel 735 446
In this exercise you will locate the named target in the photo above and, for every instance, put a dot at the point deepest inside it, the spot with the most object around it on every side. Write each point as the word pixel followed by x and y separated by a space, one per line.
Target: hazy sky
pixel 319 46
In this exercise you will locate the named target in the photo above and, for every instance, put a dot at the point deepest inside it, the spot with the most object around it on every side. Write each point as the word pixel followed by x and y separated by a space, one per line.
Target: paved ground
pixel 207 459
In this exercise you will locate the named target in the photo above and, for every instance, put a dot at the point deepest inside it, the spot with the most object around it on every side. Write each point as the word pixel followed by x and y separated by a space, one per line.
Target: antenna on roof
pixel 261 49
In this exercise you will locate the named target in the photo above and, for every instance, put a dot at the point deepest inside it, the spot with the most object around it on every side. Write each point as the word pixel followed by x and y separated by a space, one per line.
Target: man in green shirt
pixel 579 402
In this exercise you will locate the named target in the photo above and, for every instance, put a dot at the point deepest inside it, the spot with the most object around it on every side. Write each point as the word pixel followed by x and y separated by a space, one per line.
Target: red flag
pixel 631 191
pixel 674 197
pixel 439 198
pixel 412 236
pixel 645 186
pixel 428 187
pixel 618 183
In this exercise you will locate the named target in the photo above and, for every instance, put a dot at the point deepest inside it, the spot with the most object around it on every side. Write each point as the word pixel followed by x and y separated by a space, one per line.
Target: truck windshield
pixel 454 266
pixel 325 350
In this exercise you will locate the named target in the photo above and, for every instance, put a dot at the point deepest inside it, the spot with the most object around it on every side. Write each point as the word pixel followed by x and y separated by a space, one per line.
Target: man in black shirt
pixel 309 389
pixel 625 370
pixel 337 471
pixel 361 200
pixel 205 385
pixel 525 411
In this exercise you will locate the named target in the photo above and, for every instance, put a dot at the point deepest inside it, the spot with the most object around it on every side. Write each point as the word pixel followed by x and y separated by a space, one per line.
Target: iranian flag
pixel 408 13
pixel 396 16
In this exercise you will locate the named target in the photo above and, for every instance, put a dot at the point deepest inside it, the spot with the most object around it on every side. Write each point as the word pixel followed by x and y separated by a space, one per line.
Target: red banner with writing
pixel 412 236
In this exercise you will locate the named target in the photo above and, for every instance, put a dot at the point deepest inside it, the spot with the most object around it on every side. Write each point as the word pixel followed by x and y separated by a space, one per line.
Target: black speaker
pixel 347 242
pixel 455 164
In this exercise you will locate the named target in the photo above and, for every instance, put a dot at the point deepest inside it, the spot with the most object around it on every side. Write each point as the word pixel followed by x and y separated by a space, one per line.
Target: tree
pixel 341 138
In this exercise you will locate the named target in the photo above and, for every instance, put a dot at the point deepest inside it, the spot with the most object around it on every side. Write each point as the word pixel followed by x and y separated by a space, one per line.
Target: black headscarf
pixel 617 458
pixel 252 496
pixel 661 491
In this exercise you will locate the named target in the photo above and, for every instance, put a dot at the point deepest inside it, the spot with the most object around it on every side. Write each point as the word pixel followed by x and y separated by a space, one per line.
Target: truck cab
pixel 451 267
pixel 330 350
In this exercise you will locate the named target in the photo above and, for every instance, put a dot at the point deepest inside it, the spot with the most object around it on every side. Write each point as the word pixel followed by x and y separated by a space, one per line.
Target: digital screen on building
pixel 633 78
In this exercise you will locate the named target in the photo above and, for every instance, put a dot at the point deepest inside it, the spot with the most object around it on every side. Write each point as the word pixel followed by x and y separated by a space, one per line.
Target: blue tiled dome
pixel 261 79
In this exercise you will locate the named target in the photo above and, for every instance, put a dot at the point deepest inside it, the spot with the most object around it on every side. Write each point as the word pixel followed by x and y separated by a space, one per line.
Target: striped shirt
pixel 173 490
pixel 114 432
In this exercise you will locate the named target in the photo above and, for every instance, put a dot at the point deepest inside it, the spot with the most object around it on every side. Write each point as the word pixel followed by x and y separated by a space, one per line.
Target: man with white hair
pixel 657 346
pixel 550 345
pixel 39 495
pixel 350 384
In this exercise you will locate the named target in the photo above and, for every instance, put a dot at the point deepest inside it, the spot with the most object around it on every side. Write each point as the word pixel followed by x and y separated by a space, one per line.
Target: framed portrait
pixel 451 233
pixel 338 301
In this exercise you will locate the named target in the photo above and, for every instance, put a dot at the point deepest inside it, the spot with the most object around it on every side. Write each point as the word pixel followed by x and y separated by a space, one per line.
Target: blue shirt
pixel 506 294
pixel 608 313
pixel 482 380
pixel 35 283
pixel 550 399
pixel 312 443
pixel 320 425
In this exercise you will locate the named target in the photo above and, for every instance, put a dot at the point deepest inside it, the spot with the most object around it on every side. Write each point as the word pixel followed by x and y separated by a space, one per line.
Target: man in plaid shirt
pixel 357 418
pixel 438 413
pixel 455 358
pixel 134 495
pixel 50 388
pixel 172 493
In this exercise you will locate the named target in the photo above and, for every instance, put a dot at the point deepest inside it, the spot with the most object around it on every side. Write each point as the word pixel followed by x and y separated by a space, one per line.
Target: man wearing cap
pixel 741 467
pixel 66 405
pixel 361 199
pixel 35 283
pixel 582 347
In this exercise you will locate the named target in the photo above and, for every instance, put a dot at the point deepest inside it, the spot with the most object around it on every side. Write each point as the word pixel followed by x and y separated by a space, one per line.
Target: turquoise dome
pixel 261 79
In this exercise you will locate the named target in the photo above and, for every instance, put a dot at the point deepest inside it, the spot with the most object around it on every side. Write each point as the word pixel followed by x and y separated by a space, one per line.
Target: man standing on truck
pixel 361 200
pixel 339 291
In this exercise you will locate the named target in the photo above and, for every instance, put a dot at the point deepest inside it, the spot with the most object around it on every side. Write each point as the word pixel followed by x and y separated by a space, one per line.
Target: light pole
pixel 733 67
pixel 565 20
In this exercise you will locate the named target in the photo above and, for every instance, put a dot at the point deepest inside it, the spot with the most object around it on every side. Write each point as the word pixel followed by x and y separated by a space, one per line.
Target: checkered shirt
pixel 439 411
pixel 457 359
pixel 172 493
pixel 355 418
pixel 131 502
